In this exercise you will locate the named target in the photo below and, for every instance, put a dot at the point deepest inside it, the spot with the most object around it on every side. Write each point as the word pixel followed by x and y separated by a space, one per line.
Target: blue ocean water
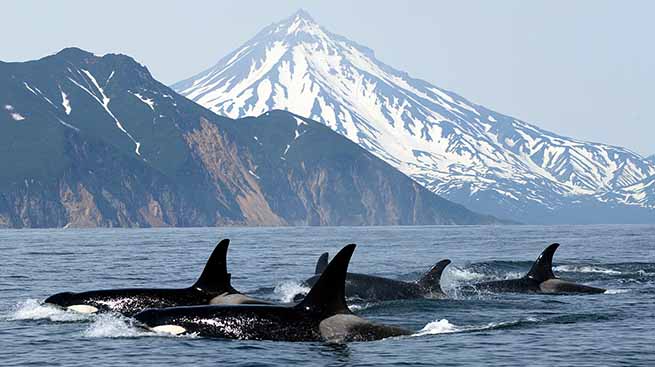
pixel 615 328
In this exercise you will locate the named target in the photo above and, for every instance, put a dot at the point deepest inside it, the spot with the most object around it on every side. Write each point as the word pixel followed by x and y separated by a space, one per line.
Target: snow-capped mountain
pixel 468 153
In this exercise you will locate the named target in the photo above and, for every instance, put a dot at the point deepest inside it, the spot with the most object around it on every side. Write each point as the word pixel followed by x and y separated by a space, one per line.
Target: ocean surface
pixel 615 328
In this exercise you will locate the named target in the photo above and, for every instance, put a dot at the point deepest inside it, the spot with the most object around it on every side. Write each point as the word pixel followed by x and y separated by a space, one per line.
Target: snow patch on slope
pixel 148 101
pixel 65 102
pixel 105 104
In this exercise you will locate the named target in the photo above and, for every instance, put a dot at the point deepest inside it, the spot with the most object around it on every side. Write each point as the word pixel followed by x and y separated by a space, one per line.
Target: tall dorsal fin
pixel 542 269
pixel 321 264
pixel 328 295
pixel 214 277
pixel 431 281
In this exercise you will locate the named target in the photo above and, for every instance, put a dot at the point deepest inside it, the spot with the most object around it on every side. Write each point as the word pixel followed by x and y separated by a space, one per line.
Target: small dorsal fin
pixel 321 264
pixel 328 295
pixel 431 281
pixel 214 277
pixel 542 269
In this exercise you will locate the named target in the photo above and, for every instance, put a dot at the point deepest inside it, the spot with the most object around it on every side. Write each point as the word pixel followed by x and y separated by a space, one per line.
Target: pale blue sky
pixel 580 68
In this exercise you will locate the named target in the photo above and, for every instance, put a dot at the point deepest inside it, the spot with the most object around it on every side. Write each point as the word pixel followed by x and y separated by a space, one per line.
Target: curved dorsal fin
pixel 321 264
pixel 542 269
pixel 431 281
pixel 328 295
pixel 214 277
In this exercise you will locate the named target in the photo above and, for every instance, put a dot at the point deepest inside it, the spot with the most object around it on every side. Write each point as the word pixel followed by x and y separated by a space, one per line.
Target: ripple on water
pixel 508 329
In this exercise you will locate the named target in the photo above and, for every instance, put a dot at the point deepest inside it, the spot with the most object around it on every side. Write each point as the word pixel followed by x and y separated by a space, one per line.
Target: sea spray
pixel 33 309
pixel 585 269
pixel 113 326
pixel 286 291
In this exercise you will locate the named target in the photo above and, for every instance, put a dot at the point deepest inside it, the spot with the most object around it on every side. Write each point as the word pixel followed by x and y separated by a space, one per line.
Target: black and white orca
pixel 374 288
pixel 213 287
pixel 322 316
pixel 540 279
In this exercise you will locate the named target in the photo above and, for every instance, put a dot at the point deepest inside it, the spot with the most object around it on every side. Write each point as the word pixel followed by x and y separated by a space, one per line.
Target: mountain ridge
pixel 89 141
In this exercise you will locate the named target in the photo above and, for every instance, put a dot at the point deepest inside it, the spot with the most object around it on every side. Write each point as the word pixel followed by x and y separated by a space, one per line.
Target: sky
pixel 580 68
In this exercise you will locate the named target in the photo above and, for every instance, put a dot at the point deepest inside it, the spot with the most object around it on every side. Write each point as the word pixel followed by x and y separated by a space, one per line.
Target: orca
pixel 212 287
pixel 540 279
pixel 323 315
pixel 374 288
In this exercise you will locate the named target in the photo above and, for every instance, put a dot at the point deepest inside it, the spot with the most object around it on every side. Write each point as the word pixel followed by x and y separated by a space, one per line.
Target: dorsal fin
pixel 431 281
pixel 214 277
pixel 328 295
pixel 321 264
pixel 542 269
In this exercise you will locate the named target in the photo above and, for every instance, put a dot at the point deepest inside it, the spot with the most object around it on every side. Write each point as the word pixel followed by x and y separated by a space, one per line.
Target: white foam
pixel 442 326
pixel 616 291
pixel 359 307
pixel 456 274
pixel 495 325
pixel 112 326
pixel 32 309
pixel 285 291
pixel 585 269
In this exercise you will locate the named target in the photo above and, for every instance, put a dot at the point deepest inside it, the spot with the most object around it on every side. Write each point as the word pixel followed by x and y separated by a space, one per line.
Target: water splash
pixel 113 326
pixel 286 291
pixel 456 274
pixel 616 291
pixel 33 309
pixel 358 306
pixel 586 269
pixel 442 326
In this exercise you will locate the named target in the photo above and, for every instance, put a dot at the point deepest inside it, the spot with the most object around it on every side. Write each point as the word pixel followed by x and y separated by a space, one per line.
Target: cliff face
pixel 90 141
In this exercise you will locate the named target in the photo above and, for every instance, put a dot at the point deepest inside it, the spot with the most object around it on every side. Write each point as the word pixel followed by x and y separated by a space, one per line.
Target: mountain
pixel 470 154
pixel 97 141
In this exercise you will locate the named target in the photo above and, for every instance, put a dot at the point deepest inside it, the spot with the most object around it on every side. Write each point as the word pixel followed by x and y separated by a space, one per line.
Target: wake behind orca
pixel 322 316
pixel 212 287
pixel 374 288
pixel 540 279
